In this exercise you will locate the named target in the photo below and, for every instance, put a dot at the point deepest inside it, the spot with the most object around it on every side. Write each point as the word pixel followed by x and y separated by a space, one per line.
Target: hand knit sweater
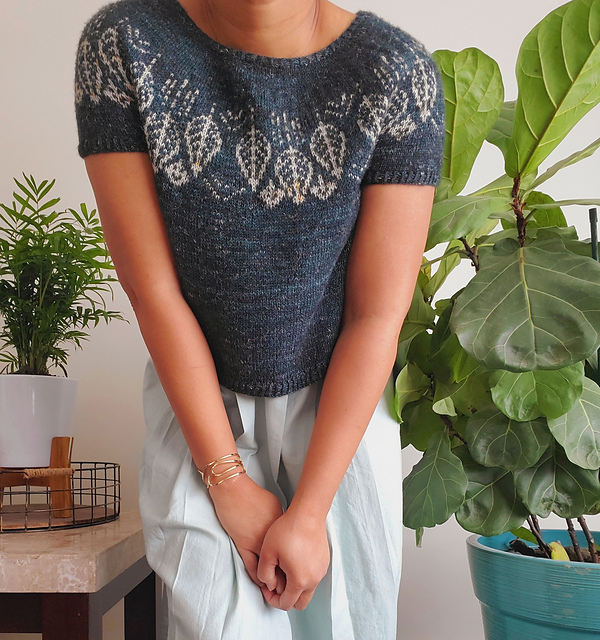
pixel 259 163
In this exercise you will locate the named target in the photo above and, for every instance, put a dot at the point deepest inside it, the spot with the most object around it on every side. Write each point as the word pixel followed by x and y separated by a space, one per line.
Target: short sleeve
pixel 410 146
pixel 106 106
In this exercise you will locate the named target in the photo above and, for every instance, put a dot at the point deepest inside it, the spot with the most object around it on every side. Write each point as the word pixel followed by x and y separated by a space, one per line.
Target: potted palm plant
pixel 497 385
pixel 52 286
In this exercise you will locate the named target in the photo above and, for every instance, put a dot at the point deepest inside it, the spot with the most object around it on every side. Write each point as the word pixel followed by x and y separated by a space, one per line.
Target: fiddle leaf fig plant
pixel 497 385
pixel 52 280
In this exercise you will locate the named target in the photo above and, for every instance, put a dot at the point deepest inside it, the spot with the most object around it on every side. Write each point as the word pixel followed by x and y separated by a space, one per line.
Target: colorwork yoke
pixel 259 163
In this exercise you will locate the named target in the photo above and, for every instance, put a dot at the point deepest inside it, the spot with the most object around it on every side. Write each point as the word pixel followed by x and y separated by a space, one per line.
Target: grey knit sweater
pixel 259 164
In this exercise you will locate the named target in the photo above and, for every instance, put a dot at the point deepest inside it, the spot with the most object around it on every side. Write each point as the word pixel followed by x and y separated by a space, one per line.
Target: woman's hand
pixel 296 546
pixel 246 511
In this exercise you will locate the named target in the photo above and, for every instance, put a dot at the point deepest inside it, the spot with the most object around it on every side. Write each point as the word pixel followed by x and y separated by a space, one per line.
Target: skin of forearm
pixel 359 369
pixel 186 369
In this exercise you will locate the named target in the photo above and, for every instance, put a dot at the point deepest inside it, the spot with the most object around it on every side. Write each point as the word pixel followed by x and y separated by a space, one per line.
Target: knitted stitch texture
pixel 259 163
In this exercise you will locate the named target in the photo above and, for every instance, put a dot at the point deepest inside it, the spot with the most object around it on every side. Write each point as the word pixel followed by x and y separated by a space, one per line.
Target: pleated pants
pixel 208 594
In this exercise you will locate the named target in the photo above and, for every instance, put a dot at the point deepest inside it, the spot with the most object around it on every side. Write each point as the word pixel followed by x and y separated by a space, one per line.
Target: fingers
pixel 276 600
pixel 290 598
pixel 250 560
pixel 271 597
pixel 281 580
pixel 304 599
pixel 266 571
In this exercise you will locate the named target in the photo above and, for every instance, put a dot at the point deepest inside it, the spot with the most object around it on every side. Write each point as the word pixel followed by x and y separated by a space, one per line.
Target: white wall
pixel 38 135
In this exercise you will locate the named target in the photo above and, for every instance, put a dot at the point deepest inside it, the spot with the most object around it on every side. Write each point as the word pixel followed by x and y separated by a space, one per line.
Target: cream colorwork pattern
pixel 186 154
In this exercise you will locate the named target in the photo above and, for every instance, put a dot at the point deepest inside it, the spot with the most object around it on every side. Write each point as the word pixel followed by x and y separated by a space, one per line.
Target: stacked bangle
pixel 209 475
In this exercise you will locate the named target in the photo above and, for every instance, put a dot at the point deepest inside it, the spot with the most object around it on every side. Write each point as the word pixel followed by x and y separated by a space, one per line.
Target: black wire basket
pixel 88 493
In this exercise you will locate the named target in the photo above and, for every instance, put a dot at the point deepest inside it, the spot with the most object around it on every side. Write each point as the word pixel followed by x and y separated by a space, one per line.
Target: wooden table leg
pixel 20 612
pixel 78 616
pixel 140 608
pixel 67 616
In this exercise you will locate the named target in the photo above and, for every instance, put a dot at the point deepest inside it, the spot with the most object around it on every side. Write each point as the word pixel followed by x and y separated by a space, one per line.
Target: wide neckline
pixel 197 33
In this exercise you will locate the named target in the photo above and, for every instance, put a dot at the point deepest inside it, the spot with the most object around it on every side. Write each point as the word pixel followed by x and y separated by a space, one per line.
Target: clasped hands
pixel 285 553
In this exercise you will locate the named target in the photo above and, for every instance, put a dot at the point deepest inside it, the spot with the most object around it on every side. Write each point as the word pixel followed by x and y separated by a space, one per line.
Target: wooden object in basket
pixel 57 477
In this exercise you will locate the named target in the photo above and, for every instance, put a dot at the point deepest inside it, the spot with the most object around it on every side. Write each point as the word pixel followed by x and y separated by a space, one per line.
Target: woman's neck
pixel 276 28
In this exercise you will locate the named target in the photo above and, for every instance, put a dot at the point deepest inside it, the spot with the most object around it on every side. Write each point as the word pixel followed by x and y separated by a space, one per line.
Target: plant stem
pixel 573 535
pixel 428 263
pixel 535 529
pixel 472 253
pixel 517 207
pixel 452 431
pixel 593 213
pixel 589 538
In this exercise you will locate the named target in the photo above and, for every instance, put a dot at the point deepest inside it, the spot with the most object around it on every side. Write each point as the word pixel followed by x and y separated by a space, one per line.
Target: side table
pixel 60 583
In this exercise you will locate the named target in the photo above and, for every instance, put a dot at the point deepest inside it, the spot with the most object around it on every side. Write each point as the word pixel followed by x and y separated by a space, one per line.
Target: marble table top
pixel 79 560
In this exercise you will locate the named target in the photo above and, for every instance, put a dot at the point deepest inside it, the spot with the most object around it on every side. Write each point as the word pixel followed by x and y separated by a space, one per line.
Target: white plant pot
pixel 33 410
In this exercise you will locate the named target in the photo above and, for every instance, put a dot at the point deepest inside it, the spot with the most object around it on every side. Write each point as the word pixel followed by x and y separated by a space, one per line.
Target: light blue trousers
pixel 209 595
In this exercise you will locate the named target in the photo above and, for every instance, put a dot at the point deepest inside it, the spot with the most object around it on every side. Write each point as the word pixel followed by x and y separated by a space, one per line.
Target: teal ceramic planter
pixel 525 598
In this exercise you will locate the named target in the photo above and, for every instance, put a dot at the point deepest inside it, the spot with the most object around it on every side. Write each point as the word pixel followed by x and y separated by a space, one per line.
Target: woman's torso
pixel 258 166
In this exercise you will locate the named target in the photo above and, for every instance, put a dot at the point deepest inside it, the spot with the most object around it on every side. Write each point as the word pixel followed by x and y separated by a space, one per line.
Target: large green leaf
pixel 572 159
pixel 531 307
pixel 565 203
pixel 578 431
pixel 418 352
pixel 558 75
pixel 582 248
pixel 466 396
pixel 531 394
pixel 474 92
pixel 411 384
pixel 567 234
pixel 443 190
pixel 594 510
pixel 501 132
pixel 472 394
pixel 448 262
pixel 497 441
pixel 458 216
pixel 489 245
pixel 542 216
pixel 496 247
pixel 491 505
pixel 420 316
pixel 419 423
pixel 441 331
pixel 403 347
pixel 451 363
pixel 436 486
pixel 555 485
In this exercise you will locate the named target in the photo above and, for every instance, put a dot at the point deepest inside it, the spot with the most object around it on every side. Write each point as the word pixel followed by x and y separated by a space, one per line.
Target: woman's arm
pixel 384 261
pixel 135 233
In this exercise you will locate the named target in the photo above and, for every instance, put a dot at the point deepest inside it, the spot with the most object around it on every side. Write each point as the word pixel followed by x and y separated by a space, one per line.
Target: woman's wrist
pixel 231 489
pixel 305 506
pixel 222 469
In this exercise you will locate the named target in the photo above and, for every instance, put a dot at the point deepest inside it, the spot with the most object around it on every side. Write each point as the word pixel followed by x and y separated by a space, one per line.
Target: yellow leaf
pixel 557 551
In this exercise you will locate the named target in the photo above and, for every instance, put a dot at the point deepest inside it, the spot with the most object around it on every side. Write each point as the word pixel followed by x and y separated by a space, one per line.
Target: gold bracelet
pixel 208 473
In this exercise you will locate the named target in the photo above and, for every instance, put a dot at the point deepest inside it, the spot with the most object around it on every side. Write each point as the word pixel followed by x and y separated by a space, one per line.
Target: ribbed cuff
pixel 404 176
pixel 105 145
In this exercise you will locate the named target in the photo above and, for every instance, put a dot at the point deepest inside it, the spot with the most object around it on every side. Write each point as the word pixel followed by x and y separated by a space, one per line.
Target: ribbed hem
pixel 404 176
pixel 106 145
pixel 273 389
